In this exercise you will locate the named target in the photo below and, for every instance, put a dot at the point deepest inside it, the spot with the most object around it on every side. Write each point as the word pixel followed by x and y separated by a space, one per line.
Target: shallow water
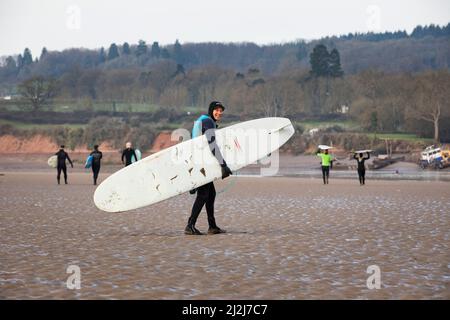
pixel 381 174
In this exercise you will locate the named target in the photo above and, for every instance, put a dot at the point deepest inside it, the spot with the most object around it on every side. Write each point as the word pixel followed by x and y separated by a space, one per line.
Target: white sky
pixel 61 24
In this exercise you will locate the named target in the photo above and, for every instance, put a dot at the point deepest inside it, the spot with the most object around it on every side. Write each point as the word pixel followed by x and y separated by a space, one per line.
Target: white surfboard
pixel 53 161
pixel 324 147
pixel 190 164
pixel 362 151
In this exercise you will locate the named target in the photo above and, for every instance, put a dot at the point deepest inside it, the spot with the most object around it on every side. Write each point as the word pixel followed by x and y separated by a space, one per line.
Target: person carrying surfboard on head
pixel 206 194
pixel 128 153
pixel 96 159
pixel 326 163
pixel 62 157
pixel 361 167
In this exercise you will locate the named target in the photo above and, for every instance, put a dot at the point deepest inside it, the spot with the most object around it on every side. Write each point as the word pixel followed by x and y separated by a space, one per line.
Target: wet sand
pixel 288 238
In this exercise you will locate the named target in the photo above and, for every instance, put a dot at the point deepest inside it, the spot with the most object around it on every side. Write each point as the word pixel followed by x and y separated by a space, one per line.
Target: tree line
pixel 418 32
pixel 425 48
pixel 300 80
pixel 378 101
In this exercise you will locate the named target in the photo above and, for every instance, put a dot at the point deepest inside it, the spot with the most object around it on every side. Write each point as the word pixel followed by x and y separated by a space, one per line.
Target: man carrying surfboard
pixel 96 158
pixel 128 153
pixel 206 194
pixel 361 167
pixel 62 156
pixel 326 162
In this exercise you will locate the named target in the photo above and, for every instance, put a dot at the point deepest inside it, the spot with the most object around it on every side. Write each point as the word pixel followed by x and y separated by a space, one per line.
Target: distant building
pixel 11 97
pixel 313 131
pixel 343 109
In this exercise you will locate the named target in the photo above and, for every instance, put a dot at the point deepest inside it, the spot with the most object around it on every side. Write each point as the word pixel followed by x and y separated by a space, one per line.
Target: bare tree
pixel 431 99
pixel 275 98
pixel 37 91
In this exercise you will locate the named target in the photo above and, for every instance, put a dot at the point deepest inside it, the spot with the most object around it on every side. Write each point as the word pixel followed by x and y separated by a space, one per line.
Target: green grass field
pixel 399 136
pixel 29 126
pixel 69 106
pixel 346 125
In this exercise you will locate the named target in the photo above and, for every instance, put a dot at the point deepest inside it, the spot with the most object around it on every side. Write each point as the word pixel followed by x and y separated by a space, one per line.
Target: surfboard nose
pixel 283 126
pixel 269 123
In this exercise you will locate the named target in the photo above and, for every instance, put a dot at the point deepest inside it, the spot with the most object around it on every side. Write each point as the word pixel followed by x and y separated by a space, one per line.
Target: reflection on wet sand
pixel 289 238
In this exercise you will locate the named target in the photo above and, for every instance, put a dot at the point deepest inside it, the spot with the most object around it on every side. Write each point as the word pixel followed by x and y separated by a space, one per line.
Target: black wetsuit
pixel 325 174
pixel 361 168
pixel 62 156
pixel 127 154
pixel 96 162
pixel 206 194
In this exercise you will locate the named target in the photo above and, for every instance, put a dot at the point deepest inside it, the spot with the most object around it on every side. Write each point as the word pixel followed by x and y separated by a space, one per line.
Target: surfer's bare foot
pixel 216 230
pixel 191 230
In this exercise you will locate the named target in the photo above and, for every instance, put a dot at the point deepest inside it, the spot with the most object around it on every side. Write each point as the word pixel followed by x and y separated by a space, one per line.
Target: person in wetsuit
pixel 96 159
pixel 206 194
pixel 62 157
pixel 127 153
pixel 326 162
pixel 361 167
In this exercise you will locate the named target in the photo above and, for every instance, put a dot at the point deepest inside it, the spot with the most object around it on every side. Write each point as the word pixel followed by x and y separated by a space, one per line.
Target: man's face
pixel 217 113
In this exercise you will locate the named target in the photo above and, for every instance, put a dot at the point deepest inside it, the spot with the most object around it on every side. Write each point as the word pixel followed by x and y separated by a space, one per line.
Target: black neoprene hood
pixel 214 105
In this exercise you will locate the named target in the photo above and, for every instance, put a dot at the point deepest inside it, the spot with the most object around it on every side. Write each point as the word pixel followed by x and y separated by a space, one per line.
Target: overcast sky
pixel 61 24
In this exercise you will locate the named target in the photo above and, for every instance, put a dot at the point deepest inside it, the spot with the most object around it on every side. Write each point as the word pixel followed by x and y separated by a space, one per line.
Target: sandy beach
pixel 288 238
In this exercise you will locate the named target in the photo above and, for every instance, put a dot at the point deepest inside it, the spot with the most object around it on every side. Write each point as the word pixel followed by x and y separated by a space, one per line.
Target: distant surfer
pixel 62 157
pixel 128 153
pixel 326 163
pixel 361 166
pixel 96 162
pixel 206 194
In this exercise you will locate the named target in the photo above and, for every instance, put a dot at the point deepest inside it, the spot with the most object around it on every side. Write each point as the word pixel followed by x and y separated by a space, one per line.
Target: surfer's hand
pixel 226 171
